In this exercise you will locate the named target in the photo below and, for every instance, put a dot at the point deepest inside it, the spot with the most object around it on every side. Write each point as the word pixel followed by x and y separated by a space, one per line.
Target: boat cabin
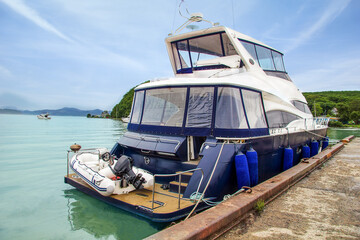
pixel 218 111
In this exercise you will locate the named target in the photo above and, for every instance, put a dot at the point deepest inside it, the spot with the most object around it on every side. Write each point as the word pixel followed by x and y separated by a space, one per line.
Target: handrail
pixel 321 120
pixel 155 175
pixel 315 122
pixel 173 175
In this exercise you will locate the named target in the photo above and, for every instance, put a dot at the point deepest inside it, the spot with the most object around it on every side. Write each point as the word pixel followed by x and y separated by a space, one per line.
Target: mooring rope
pixel 315 134
pixel 212 173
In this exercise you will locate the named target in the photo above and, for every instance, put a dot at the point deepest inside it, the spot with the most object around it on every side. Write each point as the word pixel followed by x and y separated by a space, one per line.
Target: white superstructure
pixel 222 56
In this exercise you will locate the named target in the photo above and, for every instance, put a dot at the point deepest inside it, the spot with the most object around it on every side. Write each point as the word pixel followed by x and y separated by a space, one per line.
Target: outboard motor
pixel 123 169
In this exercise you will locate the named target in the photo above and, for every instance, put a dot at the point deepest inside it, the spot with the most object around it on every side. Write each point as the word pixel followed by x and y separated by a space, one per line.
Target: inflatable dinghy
pixel 108 175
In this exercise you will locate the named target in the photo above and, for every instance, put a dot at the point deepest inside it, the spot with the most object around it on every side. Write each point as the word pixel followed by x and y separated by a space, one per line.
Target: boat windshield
pixel 164 107
pixel 195 53
pixel 198 111
pixel 268 59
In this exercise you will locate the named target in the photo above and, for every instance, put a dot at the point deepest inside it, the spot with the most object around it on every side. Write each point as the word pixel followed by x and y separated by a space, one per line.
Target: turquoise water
pixel 35 201
pixel 337 134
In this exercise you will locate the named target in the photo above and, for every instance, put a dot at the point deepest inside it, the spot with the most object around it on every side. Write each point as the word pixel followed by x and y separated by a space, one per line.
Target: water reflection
pixel 102 220
pixel 119 127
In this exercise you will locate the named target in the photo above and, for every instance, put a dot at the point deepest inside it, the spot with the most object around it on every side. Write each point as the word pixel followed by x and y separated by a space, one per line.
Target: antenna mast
pixel 194 17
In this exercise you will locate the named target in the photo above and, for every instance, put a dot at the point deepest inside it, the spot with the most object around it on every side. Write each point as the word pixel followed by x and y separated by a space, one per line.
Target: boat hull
pixel 270 151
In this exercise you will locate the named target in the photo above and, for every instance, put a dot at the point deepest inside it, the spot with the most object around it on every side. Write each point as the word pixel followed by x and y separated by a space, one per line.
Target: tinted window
pixel 183 49
pixel 278 61
pixel 164 107
pixel 267 59
pixel 254 109
pixel 228 46
pixel 200 107
pixel 264 58
pixel 279 119
pixel 205 48
pixel 301 106
pixel 229 109
pixel 201 49
pixel 251 49
pixel 137 107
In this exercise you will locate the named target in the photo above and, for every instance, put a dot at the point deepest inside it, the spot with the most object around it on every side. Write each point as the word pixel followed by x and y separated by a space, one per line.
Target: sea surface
pixel 35 203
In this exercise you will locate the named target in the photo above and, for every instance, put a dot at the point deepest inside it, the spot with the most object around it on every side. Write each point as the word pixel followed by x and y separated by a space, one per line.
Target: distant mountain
pixel 59 112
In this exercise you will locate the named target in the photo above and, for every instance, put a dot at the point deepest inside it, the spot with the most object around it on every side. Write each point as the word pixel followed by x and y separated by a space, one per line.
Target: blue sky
pixel 89 53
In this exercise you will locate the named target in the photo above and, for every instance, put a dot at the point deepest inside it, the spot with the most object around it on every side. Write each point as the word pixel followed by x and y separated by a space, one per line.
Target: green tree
pixel 327 106
pixel 123 108
pixel 316 107
pixel 335 124
pixel 345 102
pixel 354 105
pixel 344 112
pixel 355 116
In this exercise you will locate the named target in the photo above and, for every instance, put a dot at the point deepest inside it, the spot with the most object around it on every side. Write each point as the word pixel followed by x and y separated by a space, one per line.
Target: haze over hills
pixel 66 111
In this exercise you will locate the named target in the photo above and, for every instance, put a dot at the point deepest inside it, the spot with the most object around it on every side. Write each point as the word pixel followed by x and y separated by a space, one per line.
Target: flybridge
pixel 221 48
pixel 203 52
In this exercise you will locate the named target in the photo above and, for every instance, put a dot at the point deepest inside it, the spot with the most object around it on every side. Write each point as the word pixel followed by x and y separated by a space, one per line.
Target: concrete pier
pixel 217 220
pixel 325 205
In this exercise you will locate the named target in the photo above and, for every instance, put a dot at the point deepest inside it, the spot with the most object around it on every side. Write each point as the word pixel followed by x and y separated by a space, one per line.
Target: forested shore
pixel 344 106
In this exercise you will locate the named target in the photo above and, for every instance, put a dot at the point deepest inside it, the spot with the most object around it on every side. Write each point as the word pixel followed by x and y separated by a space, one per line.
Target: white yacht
pixel 229 118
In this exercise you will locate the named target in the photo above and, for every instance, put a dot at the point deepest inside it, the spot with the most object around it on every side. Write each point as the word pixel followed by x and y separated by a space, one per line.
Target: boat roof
pixel 217 29
pixel 246 80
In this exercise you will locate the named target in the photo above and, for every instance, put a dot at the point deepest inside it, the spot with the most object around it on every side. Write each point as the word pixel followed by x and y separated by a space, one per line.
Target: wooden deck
pixel 164 201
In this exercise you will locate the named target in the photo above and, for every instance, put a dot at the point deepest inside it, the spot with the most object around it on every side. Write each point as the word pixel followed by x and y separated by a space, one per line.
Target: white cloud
pixel 335 8
pixel 20 7
pixel 5 72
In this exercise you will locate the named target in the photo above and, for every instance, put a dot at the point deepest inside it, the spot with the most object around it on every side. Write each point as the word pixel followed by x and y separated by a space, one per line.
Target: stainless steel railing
pixel 97 151
pixel 174 175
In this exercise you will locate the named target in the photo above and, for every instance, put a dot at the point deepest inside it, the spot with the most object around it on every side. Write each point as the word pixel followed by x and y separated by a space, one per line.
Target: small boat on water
pixel 230 118
pixel 107 175
pixel 125 119
pixel 45 116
